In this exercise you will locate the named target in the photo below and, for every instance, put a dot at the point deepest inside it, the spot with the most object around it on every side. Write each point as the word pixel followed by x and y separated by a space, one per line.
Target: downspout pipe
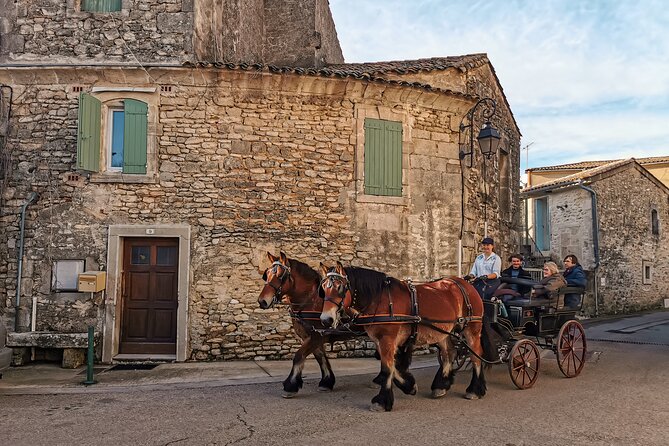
pixel 33 198
pixel 595 240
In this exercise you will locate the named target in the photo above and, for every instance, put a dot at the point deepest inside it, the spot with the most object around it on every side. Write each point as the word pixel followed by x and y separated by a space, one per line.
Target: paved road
pixel 622 397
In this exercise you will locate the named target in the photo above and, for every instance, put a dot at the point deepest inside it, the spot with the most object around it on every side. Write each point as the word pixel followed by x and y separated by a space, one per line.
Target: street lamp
pixel 489 140
pixel 488 136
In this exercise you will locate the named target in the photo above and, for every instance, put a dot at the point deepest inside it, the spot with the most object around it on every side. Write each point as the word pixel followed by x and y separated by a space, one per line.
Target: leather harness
pixel 414 319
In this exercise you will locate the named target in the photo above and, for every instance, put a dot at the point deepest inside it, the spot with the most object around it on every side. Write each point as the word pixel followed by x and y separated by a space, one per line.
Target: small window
pixel 647 272
pixel 100 5
pixel 115 147
pixel 125 142
pixel 654 222
pixel 383 157
pixel 65 274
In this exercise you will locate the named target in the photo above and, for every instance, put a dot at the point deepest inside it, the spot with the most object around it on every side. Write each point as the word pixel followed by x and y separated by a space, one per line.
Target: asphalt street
pixel 621 398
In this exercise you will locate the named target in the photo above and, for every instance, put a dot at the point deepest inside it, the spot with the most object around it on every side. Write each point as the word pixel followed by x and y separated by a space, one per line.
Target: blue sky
pixel 586 80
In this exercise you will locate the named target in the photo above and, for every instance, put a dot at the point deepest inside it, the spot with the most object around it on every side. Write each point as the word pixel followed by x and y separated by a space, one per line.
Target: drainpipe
pixel 595 241
pixel 33 198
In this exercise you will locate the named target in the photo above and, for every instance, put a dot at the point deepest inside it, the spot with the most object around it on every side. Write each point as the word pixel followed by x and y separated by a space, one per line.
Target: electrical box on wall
pixel 92 281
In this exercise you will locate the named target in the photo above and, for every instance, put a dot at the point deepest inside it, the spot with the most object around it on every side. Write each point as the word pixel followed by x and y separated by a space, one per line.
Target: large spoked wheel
pixel 571 349
pixel 459 361
pixel 524 363
pixel 461 356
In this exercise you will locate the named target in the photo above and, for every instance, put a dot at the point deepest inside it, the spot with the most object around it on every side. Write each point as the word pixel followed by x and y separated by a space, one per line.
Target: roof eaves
pixel 323 72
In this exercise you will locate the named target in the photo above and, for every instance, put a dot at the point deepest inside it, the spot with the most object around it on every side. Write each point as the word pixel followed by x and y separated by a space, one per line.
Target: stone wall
pixel 626 241
pixel 252 162
pixel 624 202
pixel 229 31
pixel 571 226
pixel 328 51
pixel 58 31
pixel 300 33
pixel 287 32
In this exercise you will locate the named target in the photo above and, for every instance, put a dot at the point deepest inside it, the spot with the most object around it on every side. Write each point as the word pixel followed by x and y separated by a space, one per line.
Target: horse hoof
pixel 375 407
pixel 438 393
pixel 324 389
pixel 414 390
pixel 471 396
pixel 288 395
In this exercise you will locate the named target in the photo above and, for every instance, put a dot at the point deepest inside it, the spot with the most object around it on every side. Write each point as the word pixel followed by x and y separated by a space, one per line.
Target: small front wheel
pixel 524 363
pixel 571 347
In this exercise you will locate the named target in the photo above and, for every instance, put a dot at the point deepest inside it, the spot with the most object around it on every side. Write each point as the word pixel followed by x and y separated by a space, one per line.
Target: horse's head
pixel 277 281
pixel 336 293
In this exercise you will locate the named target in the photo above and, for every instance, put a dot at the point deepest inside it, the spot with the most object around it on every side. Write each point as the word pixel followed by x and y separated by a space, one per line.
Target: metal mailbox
pixel 92 281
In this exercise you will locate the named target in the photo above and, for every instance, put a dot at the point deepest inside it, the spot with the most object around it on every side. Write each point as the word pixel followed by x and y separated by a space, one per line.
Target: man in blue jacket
pixel 575 276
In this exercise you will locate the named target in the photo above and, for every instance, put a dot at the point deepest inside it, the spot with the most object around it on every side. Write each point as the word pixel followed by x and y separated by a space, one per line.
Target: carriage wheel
pixel 571 349
pixel 524 363
pixel 460 360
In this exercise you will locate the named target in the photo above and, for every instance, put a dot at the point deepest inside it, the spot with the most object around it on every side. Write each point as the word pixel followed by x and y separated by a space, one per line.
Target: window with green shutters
pixel 125 143
pixel 101 5
pixel 383 157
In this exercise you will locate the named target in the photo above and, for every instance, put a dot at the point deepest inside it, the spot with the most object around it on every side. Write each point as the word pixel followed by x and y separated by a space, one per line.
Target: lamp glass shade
pixel 488 139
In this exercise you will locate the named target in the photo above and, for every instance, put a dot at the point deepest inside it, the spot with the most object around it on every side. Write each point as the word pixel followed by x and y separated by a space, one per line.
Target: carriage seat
pixel 528 302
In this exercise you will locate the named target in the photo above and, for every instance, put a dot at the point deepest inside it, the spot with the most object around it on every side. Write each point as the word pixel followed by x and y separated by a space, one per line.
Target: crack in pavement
pixel 177 441
pixel 248 427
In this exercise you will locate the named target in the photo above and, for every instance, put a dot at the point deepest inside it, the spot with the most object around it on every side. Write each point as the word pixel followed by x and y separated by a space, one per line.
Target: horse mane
pixel 305 271
pixel 367 284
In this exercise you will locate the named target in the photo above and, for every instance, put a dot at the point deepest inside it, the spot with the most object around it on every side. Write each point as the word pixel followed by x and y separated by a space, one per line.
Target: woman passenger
pixel 551 282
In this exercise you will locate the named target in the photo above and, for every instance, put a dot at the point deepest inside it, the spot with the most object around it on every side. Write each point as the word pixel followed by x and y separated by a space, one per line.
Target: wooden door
pixel 149 296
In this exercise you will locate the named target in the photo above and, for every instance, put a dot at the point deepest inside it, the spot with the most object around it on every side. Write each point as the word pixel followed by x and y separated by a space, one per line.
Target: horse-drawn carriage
pixel 531 323
pixel 340 303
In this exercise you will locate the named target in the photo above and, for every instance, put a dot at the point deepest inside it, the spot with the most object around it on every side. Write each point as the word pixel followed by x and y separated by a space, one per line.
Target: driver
pixel 486 269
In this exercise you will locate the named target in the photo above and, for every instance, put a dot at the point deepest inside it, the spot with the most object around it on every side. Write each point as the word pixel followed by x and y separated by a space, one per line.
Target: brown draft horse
pixel 384 306
pixel 299 283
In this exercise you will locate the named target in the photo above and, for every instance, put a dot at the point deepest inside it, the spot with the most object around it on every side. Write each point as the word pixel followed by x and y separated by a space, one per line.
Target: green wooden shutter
pixel 88 134
pixel 134 136
pixel 101 5
pixel 373 156
pixel 383 157
pixel 393 159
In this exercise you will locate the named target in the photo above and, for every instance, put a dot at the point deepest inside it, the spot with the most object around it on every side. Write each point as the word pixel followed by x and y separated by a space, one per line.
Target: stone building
pixel 613 218
pixel 174 172
pixel 657 165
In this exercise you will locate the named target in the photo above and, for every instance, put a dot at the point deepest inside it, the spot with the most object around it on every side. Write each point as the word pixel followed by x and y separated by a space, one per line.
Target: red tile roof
pixel 591 164
pixel 340 71
pixel 414 66
pixel 579 176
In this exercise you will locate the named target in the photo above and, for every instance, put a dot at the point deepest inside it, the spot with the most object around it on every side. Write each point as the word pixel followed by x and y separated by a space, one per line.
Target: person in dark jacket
pixel 575 276
pixel 516 271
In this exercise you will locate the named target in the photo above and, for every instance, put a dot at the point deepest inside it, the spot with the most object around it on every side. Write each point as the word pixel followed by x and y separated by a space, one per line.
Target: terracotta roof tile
pixel 414 66
pixel 340 71
pixel 591 164
pixel 580 176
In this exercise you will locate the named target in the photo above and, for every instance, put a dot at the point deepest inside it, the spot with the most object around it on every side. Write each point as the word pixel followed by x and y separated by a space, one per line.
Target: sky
pixel 586 80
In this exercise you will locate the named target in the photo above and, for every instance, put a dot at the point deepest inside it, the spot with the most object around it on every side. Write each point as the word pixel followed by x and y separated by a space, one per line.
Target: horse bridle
pixel 329 282
pixel 285 275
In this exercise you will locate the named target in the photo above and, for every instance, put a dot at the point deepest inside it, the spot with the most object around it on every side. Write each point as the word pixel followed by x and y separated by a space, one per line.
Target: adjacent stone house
pixel 657 165
pixel 172 152
pixel 613 218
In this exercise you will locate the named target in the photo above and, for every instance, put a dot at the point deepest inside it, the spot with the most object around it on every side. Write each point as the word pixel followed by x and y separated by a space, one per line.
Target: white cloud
pixel 596 71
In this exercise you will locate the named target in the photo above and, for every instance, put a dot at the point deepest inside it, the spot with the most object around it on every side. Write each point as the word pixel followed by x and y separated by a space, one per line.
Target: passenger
pixel 575 276
pixel 516 271
pixel 552 281
pixel 486 269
